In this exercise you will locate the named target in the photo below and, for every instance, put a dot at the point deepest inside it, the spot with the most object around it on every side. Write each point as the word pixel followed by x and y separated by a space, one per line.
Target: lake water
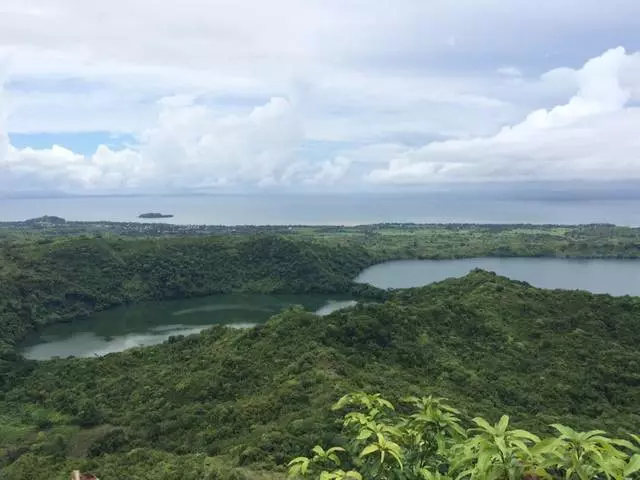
pixel 338 209
pixel 612 276
pixel 152 323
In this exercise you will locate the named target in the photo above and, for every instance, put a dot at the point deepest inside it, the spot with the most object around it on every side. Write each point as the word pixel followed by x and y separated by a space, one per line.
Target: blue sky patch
pixel 84 143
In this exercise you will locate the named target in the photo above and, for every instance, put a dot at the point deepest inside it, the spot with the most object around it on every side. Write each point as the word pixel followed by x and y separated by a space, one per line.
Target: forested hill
pixel 46 278
pixel 256 398
pixel 55 280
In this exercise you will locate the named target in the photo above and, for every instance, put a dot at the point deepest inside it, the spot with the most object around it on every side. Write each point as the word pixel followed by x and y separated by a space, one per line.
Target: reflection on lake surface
pixel 612 276
pixel 152 323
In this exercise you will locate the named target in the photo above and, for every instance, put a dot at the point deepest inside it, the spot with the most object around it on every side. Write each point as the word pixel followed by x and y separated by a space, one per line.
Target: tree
pixel 431 444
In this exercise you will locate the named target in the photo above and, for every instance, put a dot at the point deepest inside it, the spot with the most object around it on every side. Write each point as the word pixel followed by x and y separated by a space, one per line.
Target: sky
pixel 140 96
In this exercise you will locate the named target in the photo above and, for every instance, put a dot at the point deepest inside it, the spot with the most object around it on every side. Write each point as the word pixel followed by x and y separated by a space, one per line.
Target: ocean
pixel 341 209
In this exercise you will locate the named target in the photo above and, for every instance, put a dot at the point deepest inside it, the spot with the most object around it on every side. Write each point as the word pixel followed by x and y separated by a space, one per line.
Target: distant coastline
pixel 324 210
pixel 154 215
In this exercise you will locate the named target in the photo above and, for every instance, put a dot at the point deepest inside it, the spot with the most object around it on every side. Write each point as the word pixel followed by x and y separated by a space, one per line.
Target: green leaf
pixel 525 434
pixel 458 429
pixel 548 445
pixel 484 461
pixel 633 466
pixel 503 424
pixel 386 403
pixel 593 433
pixel 299 466
pixel 502 446
pixel 397 458
pixel 343 402
pixel 368 450
pixel 565 431
pixel 411 399
pixel 521 446
pixel 318 450
pixel 353 474
pixel 450 409
pixel 465 474
pixel 482 423
pixel 335 449
pixel 622 443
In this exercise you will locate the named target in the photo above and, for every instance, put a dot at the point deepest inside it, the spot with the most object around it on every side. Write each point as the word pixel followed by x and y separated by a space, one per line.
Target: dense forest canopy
pixel 46 281
pixel 49 274
pixel 241 404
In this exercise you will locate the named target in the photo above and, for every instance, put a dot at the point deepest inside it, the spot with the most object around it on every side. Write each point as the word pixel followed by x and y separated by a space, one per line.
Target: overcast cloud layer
pixel 220 95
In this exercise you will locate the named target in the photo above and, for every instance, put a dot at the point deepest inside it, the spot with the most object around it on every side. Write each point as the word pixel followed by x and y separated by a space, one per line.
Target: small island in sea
pixel 46 220
pixel 154 215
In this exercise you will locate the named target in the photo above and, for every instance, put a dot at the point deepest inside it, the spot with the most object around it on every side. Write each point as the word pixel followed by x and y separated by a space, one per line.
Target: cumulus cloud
pixel 4 139
pixel 288 94
pixel 189 147
pixel 592 136
pixel 331 171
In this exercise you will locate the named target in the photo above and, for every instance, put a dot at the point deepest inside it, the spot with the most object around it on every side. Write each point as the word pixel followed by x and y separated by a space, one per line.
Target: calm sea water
pixel 327 209
pixel 154 322
pixel 612 276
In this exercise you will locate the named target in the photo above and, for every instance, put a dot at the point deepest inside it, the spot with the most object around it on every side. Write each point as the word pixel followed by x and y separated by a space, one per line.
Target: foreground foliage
pixel 430 442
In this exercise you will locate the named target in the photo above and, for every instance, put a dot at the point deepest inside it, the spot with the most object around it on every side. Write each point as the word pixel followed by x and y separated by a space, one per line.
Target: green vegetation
pixel 384 240
pixel 46 280
pixel 241 404
pixel 58 280
pixel 431 442
pixel 408 241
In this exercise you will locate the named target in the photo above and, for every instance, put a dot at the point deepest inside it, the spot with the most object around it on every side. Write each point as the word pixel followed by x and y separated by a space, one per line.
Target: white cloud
pixel 349 50
pixel 222 93
pixel 592 136
pixel 190 147
pixel 331 171
pixel 4 139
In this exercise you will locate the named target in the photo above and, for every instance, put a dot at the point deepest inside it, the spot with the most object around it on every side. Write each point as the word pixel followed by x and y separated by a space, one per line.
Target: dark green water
pixel 151 323
pixel 612 276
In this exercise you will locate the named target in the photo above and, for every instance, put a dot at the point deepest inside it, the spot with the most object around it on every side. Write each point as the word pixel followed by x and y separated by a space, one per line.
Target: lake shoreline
pixel 595 276
pixel 151 323
pixel 354 285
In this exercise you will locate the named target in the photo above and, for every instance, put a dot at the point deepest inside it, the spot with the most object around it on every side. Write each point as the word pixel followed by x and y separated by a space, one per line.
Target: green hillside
pixel 53 279
pixel 58 280
pixel 232 403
